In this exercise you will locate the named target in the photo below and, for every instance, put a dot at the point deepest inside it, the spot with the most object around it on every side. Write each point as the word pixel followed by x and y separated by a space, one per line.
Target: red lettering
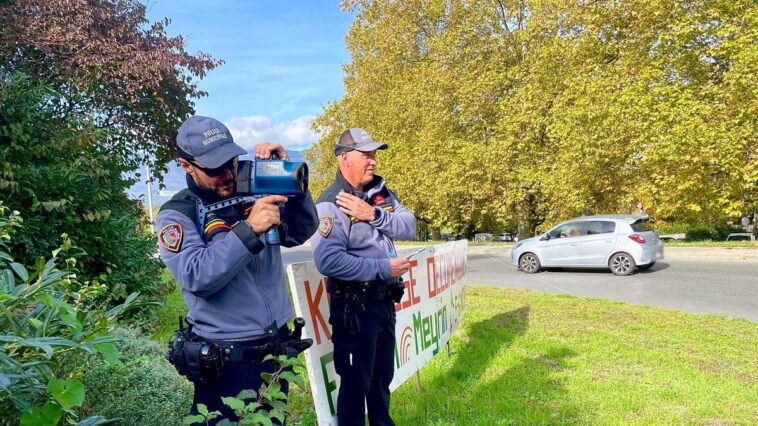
pixel 313 307
pixel 431 277
pixel 409 298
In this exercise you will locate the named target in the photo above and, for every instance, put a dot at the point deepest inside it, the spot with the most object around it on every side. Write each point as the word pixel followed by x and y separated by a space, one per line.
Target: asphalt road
pixel 703 286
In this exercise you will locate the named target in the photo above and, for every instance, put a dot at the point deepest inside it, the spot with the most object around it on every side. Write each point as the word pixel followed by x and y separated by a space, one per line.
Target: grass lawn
pixel 524 358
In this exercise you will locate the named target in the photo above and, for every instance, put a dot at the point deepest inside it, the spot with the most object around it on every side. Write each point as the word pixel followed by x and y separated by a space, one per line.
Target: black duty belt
pixel 254 349
pixel 374 290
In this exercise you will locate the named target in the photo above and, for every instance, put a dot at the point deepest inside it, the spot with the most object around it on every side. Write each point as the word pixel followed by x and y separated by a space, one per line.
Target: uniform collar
pixel 376 184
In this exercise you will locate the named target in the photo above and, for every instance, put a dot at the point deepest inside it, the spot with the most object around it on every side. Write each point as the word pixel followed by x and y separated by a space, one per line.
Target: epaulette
pixel 184 202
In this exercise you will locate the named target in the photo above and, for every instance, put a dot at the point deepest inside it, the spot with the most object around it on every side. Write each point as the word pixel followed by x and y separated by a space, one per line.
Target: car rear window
pixel 601 227
pixel 642 226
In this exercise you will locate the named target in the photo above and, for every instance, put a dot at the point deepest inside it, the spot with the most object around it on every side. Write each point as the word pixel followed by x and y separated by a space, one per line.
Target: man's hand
pixel 265 213
pixel 355 207
pixel 399 266
pixel 264 151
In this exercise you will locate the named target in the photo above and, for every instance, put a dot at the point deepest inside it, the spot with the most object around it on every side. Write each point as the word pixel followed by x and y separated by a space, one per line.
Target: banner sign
pixel 428 314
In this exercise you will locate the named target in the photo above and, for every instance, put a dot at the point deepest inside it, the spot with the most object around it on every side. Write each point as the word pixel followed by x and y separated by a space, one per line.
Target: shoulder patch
pixel 170 237
pixel 325 225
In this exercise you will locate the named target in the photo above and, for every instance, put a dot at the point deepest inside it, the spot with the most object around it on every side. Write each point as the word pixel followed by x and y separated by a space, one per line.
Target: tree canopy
pixel 111 64
pixel 512 112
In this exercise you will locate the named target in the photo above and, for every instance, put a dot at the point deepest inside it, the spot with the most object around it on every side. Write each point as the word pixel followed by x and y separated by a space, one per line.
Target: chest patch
pixel 325 225
pixel 170 237
pixel 378 200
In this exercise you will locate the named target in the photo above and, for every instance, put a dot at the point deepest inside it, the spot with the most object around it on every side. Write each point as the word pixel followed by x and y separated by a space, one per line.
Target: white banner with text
pixel 428 314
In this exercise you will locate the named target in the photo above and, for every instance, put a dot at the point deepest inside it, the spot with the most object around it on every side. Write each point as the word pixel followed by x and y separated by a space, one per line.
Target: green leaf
pixel 202 409
pixel 247 394
pixel 45 415
pixel 292 377
pixel 233 403
pixel 262 419
pixel 35 322
pixel 277 415
pixel 274 388
pixel 193 419
pixel 69 393
pixel 20 271
pixel 109 351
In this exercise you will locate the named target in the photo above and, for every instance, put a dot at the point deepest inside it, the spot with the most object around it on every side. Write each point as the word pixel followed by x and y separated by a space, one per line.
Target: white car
pixel 622 243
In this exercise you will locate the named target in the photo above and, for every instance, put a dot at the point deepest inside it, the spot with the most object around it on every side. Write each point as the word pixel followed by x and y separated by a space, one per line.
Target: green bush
pixel 142 388
pixel 59 173
pixel 698 231
pixel 46 331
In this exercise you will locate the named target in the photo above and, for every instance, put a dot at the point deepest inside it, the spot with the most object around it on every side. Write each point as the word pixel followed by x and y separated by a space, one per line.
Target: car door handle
pixel 574 245
pixel 608 241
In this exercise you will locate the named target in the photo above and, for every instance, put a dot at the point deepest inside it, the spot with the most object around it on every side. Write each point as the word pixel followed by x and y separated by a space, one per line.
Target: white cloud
pixel 255 129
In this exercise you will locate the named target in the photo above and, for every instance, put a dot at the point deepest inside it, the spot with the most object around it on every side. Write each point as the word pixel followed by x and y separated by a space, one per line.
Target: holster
pixel 397 290
pixel 198 360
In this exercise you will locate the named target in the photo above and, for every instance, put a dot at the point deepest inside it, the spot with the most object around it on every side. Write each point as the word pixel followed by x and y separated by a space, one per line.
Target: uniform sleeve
pixel 299 222
pixel 399 224
pixel 199 268
pixel 330 249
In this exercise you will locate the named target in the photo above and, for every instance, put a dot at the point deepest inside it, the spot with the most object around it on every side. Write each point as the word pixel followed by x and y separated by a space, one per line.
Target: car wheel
pixel 529 263
pixel 646 267
pixel 621 264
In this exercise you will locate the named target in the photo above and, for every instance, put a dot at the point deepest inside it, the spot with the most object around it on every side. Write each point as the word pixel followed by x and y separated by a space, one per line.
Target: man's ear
pixel 185 165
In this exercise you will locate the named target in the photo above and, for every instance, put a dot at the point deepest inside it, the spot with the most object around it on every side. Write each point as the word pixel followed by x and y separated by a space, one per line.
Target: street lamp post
pixel 150 197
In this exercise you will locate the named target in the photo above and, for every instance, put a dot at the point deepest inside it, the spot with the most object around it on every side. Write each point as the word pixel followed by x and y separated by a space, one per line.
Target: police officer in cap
pixel 231 279
pixel 359 217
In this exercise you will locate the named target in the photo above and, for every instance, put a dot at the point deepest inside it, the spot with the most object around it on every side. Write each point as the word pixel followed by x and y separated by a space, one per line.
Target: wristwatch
pixel 377 213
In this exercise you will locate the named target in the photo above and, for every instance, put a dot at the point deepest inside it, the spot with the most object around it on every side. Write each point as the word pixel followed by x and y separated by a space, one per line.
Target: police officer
pixel 359 217
pixel 232 281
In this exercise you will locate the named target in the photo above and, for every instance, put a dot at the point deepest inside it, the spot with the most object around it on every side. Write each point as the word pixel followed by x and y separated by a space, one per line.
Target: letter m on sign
pixel 317 317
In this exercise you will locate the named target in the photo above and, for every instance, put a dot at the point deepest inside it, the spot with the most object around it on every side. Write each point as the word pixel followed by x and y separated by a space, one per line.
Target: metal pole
pixel 418 381
pixel 447 349
pixel 150 198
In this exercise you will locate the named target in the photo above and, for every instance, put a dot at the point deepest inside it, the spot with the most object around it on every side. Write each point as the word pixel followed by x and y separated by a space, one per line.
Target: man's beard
pixel 209 194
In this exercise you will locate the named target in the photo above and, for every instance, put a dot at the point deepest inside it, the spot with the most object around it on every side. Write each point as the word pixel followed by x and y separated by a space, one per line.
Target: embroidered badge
pixel 325 225
pixel 378 200
pixel 170 237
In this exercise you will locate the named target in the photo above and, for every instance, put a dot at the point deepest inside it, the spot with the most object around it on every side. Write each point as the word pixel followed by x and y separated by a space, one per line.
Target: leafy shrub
pixel 47 328
pixel 261 407
pixel 142 387
pixel 699 231
pixel 59 174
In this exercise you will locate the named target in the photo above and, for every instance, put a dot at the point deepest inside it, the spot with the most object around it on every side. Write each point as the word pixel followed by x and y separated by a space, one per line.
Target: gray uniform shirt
pixel 232 281
pixel 355 250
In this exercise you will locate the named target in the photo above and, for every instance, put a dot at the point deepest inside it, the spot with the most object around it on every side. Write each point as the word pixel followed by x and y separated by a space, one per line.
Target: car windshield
pixel 738 238
pixel 642 226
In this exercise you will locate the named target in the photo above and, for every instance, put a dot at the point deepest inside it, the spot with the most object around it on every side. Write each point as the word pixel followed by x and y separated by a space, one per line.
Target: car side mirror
pixel 545 237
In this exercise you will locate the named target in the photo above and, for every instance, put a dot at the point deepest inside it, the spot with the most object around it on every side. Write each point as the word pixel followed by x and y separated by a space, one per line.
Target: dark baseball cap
pixel 208 141
pixel 356 139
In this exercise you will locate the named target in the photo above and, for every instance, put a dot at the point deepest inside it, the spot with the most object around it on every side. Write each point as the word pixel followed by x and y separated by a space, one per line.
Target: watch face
pixel 377 213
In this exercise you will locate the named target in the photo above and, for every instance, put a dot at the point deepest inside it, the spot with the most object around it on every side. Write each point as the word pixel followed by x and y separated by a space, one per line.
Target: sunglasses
pixel 218 171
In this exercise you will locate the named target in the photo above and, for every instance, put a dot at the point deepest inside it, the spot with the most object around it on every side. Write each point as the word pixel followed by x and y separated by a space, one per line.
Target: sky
pixel 282 64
